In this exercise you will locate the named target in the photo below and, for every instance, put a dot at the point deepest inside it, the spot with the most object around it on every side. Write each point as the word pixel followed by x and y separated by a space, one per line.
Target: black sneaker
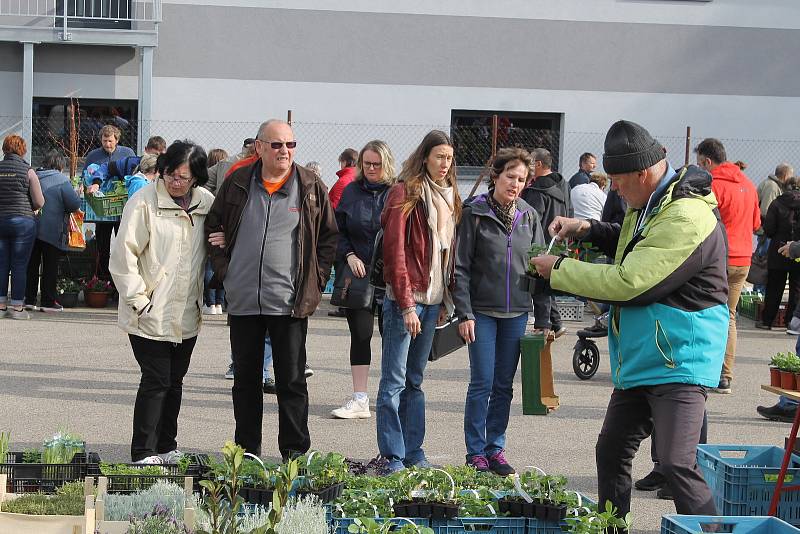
pixel 665 493
pixel 777 413
pixel 763 326
pixel 269 386
pixel 337 313
pixel 651 482
pixel 499 466
pixel 724 385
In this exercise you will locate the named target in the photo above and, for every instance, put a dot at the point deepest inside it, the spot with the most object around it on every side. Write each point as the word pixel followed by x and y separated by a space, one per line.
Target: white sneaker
pixel 217 309
pixel 209 310
pixel 794 327
pixel 151 460
pixel 171 457
pixel 353 409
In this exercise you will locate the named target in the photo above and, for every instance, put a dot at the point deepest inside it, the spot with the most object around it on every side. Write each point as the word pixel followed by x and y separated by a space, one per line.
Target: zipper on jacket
pixel 298 281
pixel 508 262
pixel 261 257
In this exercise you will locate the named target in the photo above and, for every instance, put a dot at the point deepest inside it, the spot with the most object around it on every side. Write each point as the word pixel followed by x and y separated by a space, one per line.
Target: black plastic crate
pixel 197 469
pixel 46 478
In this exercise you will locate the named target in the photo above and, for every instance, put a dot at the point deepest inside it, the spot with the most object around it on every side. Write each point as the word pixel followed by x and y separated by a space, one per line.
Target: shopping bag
pixel 538 391
pixel 75 239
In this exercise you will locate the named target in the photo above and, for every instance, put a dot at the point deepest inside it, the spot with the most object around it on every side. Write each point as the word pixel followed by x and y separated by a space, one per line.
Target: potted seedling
pixel 322 475
pixel 788 366
pixel 67 290
pixel 96 292
pixel 775 365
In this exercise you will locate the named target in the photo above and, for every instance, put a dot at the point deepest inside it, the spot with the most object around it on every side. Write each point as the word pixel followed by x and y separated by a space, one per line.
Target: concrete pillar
pixel 27 96
pixel 145 95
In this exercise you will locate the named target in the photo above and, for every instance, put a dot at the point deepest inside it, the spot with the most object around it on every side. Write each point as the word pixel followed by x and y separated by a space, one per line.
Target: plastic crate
pixel 197 469
pixel 742 479
pixel 342 523
pixel 748 305
pixel 45 478
pixel 700 524
pixel 107 206
pixel 780 317
pixel 486 525
pixel 571 309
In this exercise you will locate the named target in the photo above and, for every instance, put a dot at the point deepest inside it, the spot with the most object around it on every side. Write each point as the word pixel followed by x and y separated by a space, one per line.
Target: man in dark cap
pixel 669 315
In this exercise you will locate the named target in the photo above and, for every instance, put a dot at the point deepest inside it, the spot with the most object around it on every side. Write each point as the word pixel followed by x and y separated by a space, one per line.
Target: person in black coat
pixel 358 216
pixel 781 225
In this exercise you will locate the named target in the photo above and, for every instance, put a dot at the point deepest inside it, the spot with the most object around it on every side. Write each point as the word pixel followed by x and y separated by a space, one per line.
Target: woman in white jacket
pixel 157 265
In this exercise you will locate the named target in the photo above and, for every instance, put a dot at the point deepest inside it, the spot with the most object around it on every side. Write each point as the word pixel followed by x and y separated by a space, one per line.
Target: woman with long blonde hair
pixel 419 225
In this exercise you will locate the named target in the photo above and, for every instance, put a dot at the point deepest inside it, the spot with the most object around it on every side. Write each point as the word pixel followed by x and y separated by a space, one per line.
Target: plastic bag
pixel 75 239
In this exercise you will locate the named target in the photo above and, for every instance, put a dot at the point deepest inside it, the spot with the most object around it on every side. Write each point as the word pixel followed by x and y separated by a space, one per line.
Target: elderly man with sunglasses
pixel 280 242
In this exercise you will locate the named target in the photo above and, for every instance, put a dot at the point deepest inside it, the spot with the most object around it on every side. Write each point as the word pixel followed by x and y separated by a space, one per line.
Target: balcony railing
pixel 84 10
pixel 36 20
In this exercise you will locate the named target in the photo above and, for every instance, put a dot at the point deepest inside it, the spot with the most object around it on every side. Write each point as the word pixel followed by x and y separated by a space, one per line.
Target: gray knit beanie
pixel 629 148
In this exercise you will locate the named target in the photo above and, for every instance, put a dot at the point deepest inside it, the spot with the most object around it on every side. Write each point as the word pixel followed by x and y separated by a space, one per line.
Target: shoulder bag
pixel 349 291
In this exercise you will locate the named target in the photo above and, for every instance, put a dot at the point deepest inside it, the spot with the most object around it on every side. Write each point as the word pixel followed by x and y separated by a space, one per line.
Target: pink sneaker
pixel 479 462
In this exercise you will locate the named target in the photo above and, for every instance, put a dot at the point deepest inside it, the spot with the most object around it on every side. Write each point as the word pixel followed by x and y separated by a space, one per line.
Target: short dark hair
pixel 543 155
pixel 181 152
pixel 156 142
pixel 349 157
pixel 53 160
pixel 509 155
pixel 712 149
pixel 585 157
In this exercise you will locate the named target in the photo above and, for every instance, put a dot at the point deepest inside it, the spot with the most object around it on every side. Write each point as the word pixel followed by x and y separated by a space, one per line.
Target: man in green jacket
pixel 668 290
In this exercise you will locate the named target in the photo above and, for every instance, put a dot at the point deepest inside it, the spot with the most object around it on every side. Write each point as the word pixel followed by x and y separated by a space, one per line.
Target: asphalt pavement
pixel 75 370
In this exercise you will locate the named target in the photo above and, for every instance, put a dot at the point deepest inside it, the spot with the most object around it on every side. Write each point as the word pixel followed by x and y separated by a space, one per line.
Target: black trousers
pixel 776 282
pixel 675 412
pixel 47 256
pixel 362 325
pixel 103 239
pixel 288 336
pixel 545 312
pixel 654 447
pixel 158 401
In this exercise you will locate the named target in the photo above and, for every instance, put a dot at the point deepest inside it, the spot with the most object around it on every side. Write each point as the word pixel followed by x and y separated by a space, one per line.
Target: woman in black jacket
pixel 781 225
pixel 358 217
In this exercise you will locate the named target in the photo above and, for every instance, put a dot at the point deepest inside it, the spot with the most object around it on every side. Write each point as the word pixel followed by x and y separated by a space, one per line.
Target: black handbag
pixel 349 291
pixel 446 340
pixel 375 274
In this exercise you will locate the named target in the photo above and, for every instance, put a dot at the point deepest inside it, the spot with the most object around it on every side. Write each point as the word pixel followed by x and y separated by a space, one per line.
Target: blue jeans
pixel 17 235
pixel 211 296
pixel 400 406
pixel 493 360
pixel 267 357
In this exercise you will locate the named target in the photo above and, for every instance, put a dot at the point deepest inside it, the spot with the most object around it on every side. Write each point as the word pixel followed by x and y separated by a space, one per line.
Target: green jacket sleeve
pixel 657 261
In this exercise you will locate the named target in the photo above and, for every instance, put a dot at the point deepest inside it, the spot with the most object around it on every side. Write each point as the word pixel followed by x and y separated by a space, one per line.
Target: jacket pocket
pixel 664 346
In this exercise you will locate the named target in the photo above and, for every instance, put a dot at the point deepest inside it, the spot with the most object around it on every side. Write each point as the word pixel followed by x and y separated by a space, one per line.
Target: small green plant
pixel 67 285
pixel 122 507
pixel 68 500
pixel 159 521
pixel 61 448
pixel 596 522
pixel 123 469
pixel 31 456
pixel 5 443
pixel 786 361
pixel 303 516
pixel 321 471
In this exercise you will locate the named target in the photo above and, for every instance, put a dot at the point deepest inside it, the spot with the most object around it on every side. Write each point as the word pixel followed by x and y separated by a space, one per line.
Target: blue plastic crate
pixel 486 525
pixel 742 479
pixel 700 524
pixel 342 523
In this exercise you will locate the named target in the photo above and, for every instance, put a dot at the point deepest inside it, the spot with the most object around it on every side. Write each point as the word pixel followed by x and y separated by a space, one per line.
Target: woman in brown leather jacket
pixel 419 225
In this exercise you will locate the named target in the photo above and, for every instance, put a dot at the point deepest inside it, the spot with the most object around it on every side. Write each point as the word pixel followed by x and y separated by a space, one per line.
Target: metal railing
pixel 84 10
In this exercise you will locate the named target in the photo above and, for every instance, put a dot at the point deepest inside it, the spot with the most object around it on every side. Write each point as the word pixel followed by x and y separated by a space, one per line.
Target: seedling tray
pixel 45 478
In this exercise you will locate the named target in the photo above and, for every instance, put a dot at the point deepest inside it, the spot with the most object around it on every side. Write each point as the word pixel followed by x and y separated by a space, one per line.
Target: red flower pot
pixel 774 377
pixel 787 380
pixel 96 299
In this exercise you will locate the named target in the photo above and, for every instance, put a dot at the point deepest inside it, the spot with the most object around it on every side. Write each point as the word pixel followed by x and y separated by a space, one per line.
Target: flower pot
pixel 68 300
pixel 787 380
pixel 774 377
pixel 96 299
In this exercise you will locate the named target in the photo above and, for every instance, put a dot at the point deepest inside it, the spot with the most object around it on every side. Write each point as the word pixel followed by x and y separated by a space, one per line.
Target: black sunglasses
pixel 276 145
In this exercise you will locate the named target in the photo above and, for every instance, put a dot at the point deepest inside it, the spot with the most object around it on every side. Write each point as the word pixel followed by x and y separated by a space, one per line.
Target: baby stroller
pixel 586 357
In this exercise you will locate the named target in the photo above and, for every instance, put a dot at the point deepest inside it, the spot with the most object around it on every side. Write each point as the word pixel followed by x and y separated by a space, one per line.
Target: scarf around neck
pixel 504 213
pixel 439 202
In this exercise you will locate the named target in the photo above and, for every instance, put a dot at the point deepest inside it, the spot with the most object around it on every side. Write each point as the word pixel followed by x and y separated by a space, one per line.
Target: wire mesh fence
pixel 323 142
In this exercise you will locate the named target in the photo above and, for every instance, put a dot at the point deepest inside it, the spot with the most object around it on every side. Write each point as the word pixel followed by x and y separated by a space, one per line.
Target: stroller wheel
pixel 585 359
